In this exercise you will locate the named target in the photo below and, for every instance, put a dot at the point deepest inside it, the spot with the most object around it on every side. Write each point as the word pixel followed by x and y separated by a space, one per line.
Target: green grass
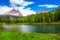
pixel 14 35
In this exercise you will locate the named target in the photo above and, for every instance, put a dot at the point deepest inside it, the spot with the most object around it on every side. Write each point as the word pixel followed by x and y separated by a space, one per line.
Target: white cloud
pixel 4 9
pixel 23 4
pixel 20 2
pixel 25 12
pixel 27 3
pixel 48 6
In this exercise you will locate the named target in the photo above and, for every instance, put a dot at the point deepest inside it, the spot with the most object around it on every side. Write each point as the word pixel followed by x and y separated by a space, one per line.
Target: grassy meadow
pixel 14 35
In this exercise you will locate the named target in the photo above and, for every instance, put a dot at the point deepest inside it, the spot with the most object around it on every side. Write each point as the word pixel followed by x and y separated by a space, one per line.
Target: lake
pixel 50 28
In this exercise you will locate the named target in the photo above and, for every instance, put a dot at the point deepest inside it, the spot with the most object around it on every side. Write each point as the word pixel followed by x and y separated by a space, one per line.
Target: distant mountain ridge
pixel 14 12
pixel 42 11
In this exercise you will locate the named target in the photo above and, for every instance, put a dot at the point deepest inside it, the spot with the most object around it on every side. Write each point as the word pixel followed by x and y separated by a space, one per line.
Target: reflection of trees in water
pixel 1 26
pixel 49 29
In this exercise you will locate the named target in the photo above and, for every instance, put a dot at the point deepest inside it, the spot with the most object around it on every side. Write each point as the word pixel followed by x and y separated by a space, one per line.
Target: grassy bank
pixel 33 23
pixel 13 35
pixel 29 23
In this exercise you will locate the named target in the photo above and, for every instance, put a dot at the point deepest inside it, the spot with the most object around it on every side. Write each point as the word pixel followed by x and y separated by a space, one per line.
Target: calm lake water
pixel 32 28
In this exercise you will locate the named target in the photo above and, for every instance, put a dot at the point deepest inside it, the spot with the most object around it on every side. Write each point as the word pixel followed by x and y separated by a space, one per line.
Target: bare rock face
pixel 14 12
pixel 42 11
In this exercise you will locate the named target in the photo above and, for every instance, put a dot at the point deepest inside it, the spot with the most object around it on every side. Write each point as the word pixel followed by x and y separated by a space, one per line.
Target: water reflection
pixel 26 28
pixel 33 28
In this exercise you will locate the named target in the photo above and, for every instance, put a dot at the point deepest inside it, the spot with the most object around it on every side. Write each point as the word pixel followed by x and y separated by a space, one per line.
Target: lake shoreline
pixel 33 23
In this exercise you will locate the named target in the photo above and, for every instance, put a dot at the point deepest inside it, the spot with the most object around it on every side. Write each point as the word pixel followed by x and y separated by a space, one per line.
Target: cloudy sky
pixel 27 7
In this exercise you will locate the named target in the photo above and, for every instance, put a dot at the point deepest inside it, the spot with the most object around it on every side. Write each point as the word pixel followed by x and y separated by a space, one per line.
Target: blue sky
pixel 42 2
pixel 32 6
